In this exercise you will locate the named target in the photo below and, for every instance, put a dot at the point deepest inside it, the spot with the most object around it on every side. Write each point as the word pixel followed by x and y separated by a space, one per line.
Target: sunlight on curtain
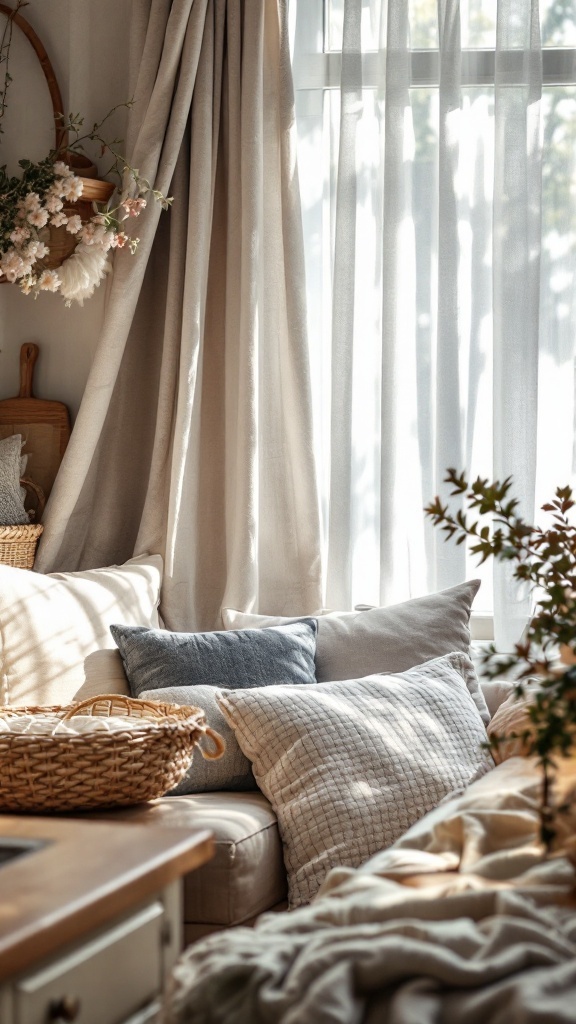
pixel 439 209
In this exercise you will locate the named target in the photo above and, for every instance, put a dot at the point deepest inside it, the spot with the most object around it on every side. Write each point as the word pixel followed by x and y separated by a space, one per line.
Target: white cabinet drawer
pixel 108 978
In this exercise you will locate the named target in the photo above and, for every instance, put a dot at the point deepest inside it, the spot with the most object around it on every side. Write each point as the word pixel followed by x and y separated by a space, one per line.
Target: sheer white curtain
pixel 438 181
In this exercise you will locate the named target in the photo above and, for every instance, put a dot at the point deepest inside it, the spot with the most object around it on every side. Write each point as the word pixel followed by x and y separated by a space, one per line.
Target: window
pixel 437 172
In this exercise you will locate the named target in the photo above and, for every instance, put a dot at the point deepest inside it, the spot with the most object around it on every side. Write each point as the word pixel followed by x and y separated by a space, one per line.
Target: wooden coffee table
pixel 90 917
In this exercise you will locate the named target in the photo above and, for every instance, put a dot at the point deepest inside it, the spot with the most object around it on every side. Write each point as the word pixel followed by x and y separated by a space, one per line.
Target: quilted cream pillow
pixel 55 641
pixel 349 766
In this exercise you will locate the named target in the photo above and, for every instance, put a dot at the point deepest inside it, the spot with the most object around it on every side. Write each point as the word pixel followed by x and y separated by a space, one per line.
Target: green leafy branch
pixel 119 167
pixel 545 559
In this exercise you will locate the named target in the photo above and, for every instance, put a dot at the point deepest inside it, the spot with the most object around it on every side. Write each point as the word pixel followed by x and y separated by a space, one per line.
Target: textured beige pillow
pixel 53 626
pixel 349 766
pixel 511 718
pixel 354 644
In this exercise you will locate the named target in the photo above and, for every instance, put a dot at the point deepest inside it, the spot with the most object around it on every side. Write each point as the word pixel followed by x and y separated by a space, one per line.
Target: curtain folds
pixel 194 438
pixel 423 205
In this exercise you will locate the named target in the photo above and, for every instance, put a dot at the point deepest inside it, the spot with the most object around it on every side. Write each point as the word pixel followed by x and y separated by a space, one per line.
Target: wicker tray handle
pixel 106 704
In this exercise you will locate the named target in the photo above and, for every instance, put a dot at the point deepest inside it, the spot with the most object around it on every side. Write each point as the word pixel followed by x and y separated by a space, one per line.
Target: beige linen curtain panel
pixel 194 438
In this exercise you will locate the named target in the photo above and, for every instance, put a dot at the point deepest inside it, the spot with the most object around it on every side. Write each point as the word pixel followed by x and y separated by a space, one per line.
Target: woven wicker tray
pixel 64 772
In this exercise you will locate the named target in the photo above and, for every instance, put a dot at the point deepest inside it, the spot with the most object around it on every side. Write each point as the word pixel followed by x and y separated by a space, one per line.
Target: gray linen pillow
pixel 355 644
pixel 12 511
pixel 232 771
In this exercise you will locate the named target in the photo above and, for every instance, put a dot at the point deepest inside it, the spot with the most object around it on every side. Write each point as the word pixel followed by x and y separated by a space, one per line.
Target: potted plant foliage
pixel 544 558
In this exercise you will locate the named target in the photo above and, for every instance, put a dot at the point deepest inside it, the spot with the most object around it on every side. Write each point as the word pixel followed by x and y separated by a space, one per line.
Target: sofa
pixel 57 646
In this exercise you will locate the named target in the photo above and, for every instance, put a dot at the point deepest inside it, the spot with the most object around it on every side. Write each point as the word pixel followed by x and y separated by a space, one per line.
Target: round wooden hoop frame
pixel 54 89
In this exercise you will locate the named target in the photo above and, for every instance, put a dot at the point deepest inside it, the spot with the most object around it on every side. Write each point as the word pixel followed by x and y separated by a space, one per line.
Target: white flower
pixel 93 234
pixel 13 265
pixel 39 218
pixel 42 251
pixel 31 202
pixel 19 235
pixel 26 285
pixel 74 224
pixel 59 219
pixel 73 188
pixel 49 281
pixel 62 169
pixel 52 203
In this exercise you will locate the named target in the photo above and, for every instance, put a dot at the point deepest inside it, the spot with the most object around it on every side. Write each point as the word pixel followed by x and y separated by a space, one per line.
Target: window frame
pixel 315 69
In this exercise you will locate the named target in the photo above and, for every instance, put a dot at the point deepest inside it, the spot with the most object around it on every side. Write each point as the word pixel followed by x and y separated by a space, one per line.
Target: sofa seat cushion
pixel 246 876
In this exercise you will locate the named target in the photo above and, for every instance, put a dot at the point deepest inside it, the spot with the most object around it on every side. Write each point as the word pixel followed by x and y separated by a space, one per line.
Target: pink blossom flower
pixel 74 224
pixel 121 239
pixel 59 219
pixel 133 206
pixel 49 281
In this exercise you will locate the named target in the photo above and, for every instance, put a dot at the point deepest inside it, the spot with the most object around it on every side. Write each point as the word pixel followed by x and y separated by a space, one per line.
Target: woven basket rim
pixel 21 531
pixel 173 714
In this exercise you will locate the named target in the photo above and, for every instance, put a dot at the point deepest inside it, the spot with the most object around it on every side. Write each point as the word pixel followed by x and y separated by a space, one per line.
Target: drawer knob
pixel 65 1009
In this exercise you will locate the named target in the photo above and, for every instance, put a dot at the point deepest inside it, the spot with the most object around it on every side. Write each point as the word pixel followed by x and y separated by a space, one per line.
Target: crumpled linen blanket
pixel 462 920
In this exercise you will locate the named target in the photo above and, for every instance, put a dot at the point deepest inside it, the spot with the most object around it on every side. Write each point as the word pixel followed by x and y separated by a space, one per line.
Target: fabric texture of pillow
pixel 12 511
pixel 52 627
pixel 232 771
pixel 156 658
pixel 512 718
pixel 349 766
pixel 355 644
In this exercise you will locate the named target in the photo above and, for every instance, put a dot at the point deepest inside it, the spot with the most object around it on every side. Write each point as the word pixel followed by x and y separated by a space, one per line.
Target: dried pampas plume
pixel 82 272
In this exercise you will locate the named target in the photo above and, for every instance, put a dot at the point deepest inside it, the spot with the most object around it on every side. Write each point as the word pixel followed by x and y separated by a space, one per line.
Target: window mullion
pixel 323 70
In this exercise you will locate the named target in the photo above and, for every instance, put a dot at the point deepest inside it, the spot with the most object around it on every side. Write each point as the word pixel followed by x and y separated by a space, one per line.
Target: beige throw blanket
pixel 461 920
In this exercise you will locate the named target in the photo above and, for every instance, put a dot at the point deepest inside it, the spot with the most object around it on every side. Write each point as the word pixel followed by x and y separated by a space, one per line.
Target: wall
pixel 87 43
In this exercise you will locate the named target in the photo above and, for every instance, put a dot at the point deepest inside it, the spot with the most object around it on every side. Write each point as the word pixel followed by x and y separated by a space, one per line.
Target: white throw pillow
pixel 55 640
pixel 349 766
pixel 354 644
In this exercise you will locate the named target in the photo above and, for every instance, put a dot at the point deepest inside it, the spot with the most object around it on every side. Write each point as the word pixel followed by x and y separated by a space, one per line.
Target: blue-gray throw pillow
pixel 232 659
pixel 190 668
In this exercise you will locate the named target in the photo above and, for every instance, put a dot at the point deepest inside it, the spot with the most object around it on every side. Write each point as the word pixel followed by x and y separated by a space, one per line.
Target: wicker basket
pixel 18 543
pixel 67 772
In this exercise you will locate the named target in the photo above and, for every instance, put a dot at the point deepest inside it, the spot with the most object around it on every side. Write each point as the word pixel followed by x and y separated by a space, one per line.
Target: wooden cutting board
pixel 44 425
